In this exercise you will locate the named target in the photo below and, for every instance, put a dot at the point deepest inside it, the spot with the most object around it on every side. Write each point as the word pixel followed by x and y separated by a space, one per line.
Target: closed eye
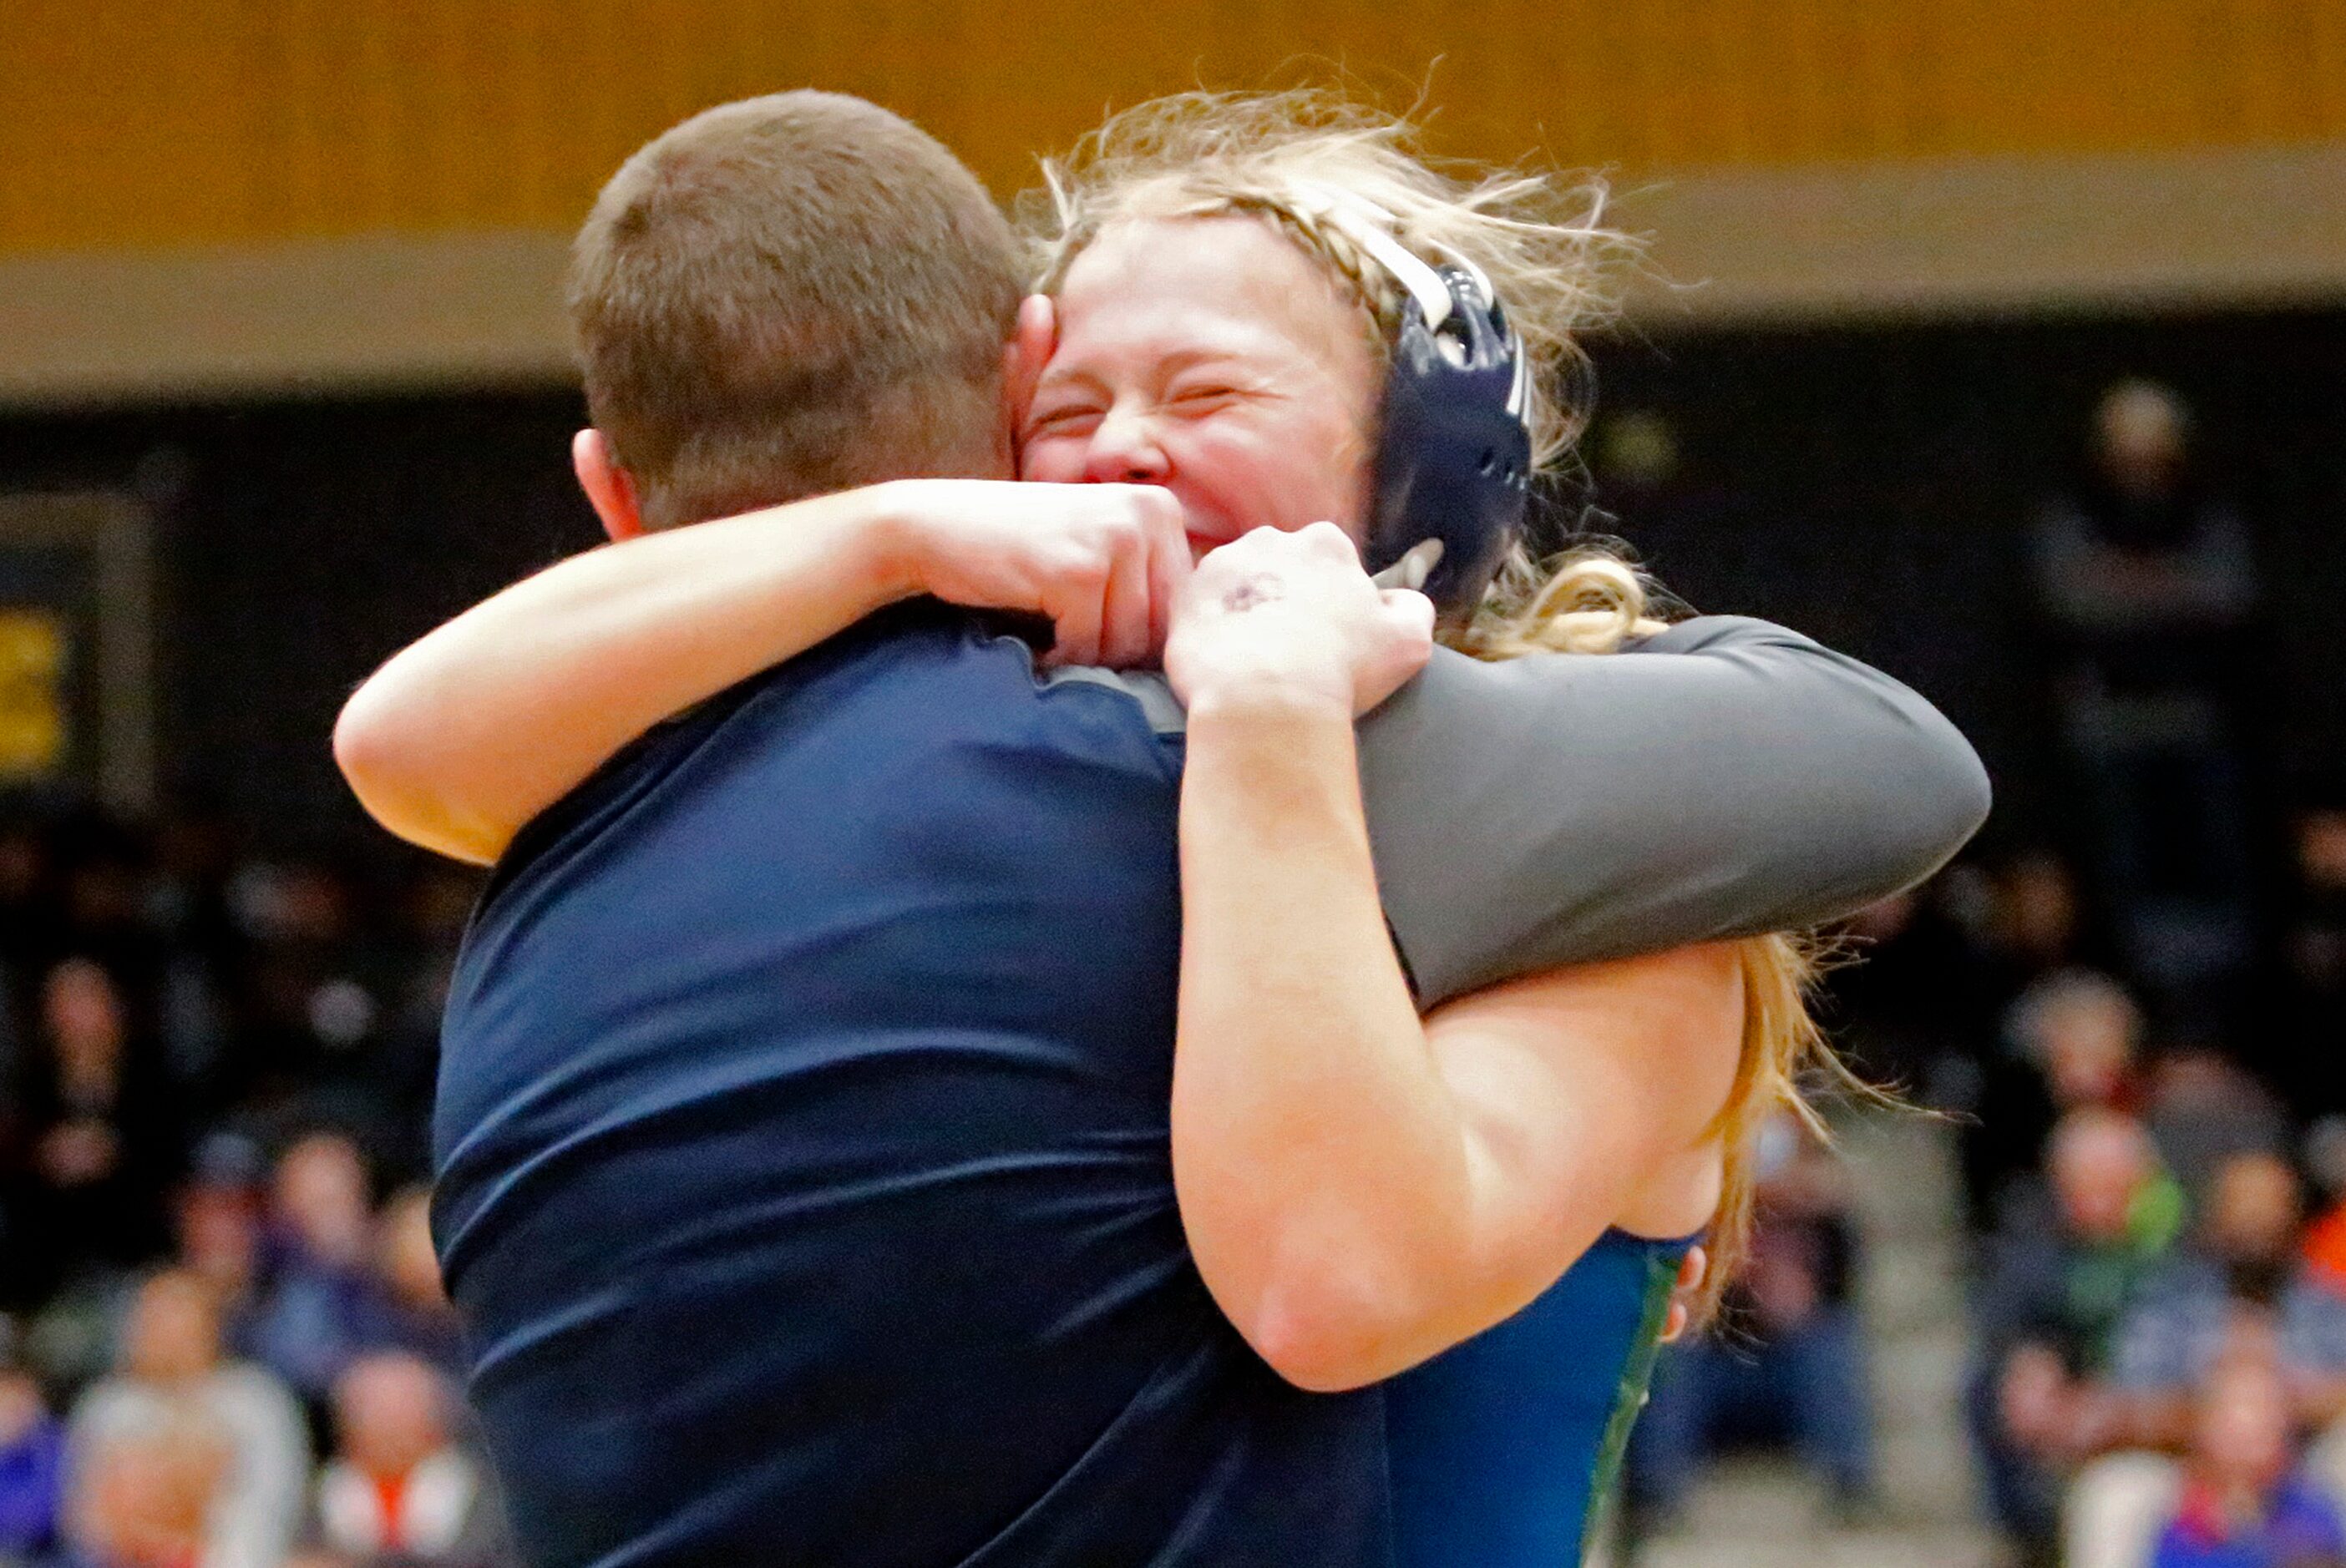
pixel 1204 397
pixel 1068 419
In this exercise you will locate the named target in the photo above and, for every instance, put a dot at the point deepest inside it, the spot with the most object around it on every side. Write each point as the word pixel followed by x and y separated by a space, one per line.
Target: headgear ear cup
pixel 1454 453
pixel 1454 458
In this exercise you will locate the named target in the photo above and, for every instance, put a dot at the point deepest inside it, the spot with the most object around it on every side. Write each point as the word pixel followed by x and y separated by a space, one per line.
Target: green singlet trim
pixel 1629 1398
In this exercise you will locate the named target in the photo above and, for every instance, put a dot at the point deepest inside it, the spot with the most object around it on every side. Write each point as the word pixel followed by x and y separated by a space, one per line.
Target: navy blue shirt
pixel 804 1173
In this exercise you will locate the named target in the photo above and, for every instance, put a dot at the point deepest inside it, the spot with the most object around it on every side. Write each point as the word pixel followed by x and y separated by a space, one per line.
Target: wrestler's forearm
pixel 467 734
pixel 1363 1191
pixel 1562 808
pixel 1315 1151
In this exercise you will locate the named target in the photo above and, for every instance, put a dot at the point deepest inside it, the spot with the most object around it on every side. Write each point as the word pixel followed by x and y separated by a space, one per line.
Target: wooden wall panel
pixel 139 124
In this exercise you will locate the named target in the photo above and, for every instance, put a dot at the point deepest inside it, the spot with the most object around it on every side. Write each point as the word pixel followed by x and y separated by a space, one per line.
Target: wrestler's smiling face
pixel 1210 356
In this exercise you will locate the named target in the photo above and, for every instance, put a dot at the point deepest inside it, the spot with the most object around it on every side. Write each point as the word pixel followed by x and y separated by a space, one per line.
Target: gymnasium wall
pixel 213 121
pixel 220 196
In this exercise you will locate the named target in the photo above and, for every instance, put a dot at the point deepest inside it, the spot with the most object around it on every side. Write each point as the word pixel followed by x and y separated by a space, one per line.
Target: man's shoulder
pixel 912 683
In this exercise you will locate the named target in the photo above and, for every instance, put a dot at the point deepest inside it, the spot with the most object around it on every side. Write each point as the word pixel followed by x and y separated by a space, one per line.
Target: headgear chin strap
pixel 1454 455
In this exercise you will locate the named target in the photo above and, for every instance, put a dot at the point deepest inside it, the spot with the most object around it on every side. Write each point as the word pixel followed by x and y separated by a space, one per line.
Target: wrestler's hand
pixel 1102 562
pixel 1291 617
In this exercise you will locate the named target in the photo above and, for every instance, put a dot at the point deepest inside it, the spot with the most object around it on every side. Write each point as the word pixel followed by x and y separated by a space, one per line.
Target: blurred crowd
pixel 2135 1030
pixel 2157 1239
pixel 225 1344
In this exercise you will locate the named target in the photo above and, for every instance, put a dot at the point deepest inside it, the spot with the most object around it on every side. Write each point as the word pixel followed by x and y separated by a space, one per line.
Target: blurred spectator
pixel 2146 580
pixel 2059 1284
pixel 321 1302
pixel 2247 1263
pixel 101 910
pixel 435 906
pixel 195 853
pixel 146 1493
pixel 2244 1504
pixel 27 875
pixel 32 1466
pixel 101 1140
pixel 217 1218
pixel 2241 1293
pixel 2037 921
pixel 2317 950
pixel 312 980
pixel 2143 543
pixel 2070 1042
pixel 417 1316
pixel 1792 1362
pixel 2082 1032
pixel 400 1493
pixel 172 1375
pixel 2317 946
pixel 2203 1110
pixel 2313 1073
pixel 2325 1239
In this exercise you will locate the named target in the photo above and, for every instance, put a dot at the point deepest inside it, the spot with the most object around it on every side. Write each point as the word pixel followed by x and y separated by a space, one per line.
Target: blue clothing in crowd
pixel 312 1319
pixel 31 1489
pixel 2300 1526
pixel 2174 1334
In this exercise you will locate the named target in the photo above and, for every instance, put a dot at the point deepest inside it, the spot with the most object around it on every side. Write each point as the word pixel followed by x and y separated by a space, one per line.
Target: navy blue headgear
pixel 1454 455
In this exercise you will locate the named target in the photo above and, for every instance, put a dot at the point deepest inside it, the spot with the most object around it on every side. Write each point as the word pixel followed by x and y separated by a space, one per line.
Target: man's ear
pixel 1023 358
pixel 611 489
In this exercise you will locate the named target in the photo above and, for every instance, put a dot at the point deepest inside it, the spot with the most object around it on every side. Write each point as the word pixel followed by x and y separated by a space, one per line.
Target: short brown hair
pixel 790 295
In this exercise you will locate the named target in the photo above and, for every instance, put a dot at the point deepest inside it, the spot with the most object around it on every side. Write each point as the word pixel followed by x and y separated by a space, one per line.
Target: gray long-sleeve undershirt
pixel 1561 808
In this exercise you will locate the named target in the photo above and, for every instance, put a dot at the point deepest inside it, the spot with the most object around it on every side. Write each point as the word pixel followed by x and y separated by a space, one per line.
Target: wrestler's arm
pixel 1362 1189
pixel 1562 808
pixel 470 732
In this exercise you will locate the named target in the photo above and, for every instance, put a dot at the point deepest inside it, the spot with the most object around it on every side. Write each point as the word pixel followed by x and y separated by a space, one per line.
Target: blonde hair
pixel 1543 243
pixel 1591 601
pixel 1541 240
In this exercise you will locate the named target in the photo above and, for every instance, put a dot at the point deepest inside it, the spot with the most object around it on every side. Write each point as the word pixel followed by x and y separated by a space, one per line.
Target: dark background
pixel 1870 487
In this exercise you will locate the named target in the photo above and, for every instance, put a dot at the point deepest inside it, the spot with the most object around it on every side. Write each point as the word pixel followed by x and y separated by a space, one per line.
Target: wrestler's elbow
pixel 1335 1323
pixel 1320 1347
pixel 377 758
pixel 369 750
pixel 1945 800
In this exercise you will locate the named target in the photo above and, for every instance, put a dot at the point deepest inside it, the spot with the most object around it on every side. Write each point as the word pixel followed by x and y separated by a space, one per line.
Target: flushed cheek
pixel 1048 461
pixel 1285 488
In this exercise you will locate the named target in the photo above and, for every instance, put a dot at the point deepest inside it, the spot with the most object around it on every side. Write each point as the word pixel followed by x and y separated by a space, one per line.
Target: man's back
pixel 803 1166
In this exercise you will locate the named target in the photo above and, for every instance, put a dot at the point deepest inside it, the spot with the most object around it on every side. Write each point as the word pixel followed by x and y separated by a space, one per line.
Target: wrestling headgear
pixel 1454 455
